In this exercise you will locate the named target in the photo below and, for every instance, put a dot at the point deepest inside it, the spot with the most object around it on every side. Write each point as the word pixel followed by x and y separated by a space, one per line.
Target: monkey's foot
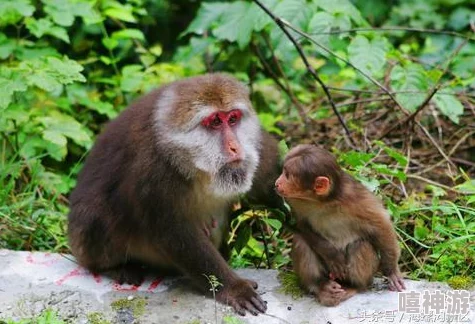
pixel 331 293
pixel 242 297
pixel 130 273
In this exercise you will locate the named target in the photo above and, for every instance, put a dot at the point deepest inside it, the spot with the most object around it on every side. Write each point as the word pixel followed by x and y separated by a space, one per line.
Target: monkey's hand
pixel 337 267
pixel 242 297
pixel 396 282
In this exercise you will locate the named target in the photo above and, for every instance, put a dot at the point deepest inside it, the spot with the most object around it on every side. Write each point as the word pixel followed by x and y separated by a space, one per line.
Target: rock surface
pixel 33 282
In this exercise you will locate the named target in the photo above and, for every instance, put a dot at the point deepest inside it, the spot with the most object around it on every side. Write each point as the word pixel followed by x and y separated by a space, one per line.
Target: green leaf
pixel 12 11
pixel 298 13
pixel 342 8
pixel 242 238
pixel 370 184
pixel 120 12
pixel 7 46
pixel 132 77
pixel 449 105
pixel 321 22
pixel 274 223
pixel 368 55
pixel 10 82
pixel 61 11
pixel 262 19
pixel 356 159
pixel 411 77
pixel 59 126
pixel 461 18
pixel 45 26
pixel 128 34
pixel 208 14
pixel 51 73
pixel 240 14
pixel 110 43
pixel 384 169
pixel 399 157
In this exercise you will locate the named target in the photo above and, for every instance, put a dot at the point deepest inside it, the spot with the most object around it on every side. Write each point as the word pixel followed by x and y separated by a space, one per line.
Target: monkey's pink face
pixel 225 123
pixel 219 138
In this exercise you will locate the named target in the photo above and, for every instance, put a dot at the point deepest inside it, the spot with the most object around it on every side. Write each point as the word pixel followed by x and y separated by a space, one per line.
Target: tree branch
pixel 282 25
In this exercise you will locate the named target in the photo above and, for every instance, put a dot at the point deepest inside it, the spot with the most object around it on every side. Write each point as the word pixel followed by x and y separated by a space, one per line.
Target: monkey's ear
pixel 321 186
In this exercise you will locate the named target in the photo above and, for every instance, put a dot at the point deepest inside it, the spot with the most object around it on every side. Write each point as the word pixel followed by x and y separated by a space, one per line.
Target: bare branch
pixel 282 25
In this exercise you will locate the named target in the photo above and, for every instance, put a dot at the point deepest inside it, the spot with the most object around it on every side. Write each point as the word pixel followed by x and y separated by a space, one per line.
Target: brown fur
pixel 341 233
pixel 132 207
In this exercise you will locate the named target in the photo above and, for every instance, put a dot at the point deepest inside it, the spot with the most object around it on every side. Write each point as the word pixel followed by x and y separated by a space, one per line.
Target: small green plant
pixel 48 316
pixel 215 284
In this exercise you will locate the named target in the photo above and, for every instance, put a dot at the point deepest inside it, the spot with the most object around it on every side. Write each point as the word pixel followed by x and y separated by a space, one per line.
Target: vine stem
pixel 282 25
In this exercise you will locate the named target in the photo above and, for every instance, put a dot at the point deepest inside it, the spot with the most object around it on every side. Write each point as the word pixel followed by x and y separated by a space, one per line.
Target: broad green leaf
pixel 368 55
pixel 44 26
pixel 7 46
pixel 208 14
pixel 12 11
pixel 356 159
pixel 411 77
pixel 370 184
pixel 129 33
pixel 461 18
pixel 242 238
pixel 298 13
pixel 321 23
pixel 384 169
pixel 121 12
pixel 399 157
pixel 342 8
pixel 59 126
pixel 449 105
pixel 10 82
pixel 61 11
pixel 240 14
pixel 132 77
pixel 51 73
pixel 156 50
pixel 262 19
pixel 468 187
pixel 110 43
pixel 274 223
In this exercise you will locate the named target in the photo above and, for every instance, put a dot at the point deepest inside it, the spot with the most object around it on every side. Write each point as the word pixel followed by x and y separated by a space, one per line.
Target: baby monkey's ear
pixel 322 186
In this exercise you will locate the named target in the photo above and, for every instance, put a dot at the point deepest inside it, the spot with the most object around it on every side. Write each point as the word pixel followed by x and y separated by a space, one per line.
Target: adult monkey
pixel 157 186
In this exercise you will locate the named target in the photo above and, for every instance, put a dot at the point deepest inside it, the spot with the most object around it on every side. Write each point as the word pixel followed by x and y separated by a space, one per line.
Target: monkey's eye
pixel 234 117
pixel 216 122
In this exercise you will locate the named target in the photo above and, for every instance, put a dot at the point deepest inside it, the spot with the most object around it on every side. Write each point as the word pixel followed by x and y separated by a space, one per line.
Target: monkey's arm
pixel 332 257
pixel 193 253
pixel 384 239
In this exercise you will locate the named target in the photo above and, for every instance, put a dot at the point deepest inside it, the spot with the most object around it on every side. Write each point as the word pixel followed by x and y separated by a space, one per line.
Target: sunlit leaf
pixel 368 55
pixel 449 105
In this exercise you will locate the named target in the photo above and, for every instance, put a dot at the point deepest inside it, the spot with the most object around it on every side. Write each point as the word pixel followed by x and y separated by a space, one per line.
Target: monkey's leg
pixel 313 275
pixel 363 262
pixel 100 253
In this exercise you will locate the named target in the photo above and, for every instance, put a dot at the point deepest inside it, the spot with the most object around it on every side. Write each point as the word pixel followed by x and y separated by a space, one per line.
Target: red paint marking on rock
pixel 118 287
pixel 74 273
pixel 154 284
pixel 30 259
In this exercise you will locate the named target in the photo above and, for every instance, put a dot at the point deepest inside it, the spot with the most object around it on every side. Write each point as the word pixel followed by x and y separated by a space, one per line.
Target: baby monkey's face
pixel 288 186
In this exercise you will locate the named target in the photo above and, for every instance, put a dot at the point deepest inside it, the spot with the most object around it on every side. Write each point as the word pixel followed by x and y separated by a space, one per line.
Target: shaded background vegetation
pixel 400 73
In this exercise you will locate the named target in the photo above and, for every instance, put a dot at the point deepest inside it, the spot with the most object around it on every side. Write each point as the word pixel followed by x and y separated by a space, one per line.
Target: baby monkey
pixel 344 234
